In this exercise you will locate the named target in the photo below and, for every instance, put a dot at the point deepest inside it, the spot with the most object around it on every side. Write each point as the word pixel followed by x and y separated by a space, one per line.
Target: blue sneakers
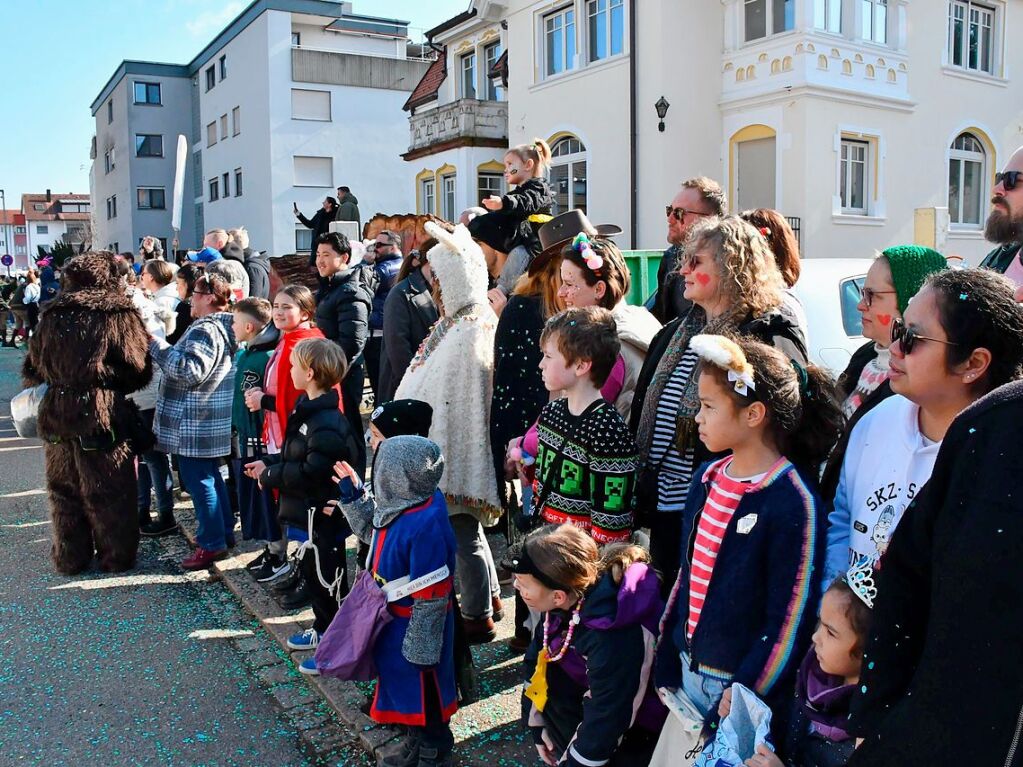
pixel 307 640
pixel 308 667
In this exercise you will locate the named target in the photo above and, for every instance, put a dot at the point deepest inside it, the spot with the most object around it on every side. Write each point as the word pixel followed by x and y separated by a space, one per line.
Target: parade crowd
pixel 721 554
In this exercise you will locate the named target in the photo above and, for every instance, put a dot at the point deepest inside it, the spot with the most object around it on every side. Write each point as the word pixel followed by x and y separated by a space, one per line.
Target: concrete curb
pixel 279 670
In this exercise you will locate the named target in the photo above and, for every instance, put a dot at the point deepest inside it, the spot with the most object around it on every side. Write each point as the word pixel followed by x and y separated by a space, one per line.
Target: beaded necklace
pixel 572 623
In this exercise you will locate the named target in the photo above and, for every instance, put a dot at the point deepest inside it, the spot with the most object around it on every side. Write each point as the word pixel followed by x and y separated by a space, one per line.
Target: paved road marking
pixel 133 580
pixel 24 493
pixel 27 524
pixel 220 633
pixel 22 447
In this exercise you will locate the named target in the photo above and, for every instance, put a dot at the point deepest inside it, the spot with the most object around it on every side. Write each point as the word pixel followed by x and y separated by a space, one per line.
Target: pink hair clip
pixel 582 244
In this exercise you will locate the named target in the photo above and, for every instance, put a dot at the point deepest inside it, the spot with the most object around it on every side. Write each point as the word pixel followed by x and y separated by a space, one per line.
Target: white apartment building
pixel 868 122
pixel 291 100
pixel 51 218
pixel 458 118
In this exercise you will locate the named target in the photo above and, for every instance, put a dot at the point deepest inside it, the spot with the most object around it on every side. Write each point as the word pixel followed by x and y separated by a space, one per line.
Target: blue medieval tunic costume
pixel 406 524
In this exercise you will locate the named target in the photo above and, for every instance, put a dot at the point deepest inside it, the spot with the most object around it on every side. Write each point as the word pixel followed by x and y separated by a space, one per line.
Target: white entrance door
pixel 755 174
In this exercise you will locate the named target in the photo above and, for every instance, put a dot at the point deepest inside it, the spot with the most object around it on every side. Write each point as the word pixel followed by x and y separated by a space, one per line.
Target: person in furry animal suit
pixel 91 347
pixel 453 373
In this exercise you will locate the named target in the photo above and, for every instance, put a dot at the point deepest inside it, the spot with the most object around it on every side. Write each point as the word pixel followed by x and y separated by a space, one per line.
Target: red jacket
pixel 287 395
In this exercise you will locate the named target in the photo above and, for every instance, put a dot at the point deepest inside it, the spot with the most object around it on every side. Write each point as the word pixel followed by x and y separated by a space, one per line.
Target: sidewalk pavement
pixel 487 733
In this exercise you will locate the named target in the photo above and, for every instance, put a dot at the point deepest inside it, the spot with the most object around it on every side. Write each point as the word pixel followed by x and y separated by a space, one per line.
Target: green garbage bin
pixel 643 265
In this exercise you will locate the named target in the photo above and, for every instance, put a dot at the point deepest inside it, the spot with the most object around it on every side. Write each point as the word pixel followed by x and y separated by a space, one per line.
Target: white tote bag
pixel 680 740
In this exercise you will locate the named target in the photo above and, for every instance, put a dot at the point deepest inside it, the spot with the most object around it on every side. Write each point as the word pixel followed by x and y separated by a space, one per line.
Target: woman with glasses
pixel 959 339
pixel 733 281
pixel 895 277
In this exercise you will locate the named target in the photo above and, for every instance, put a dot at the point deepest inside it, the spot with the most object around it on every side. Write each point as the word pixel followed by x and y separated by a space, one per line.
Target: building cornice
pixel 454 143
pixel 827 93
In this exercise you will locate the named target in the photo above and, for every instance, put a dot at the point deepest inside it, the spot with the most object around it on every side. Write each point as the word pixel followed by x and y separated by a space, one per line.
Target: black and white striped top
pixel 674 470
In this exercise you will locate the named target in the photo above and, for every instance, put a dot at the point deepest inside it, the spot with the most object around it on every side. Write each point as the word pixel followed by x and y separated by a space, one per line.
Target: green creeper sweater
pixel 586 470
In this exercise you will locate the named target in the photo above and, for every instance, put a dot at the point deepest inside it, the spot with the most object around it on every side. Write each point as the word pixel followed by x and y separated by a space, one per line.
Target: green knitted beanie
pixel 910 266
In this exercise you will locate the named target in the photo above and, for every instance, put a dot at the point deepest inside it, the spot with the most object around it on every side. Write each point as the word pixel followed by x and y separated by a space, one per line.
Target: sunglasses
pixel 869 293
pixel 1008 179
pixel 907 337
pixel 680 213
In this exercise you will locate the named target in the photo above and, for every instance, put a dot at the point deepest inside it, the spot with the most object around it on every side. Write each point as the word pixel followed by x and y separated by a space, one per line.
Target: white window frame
pixel 570 159
pixel 307 115
pixel 845 190
pixel 211 134
pixel 301 235
pixel 211 77
pixel 569 62
pixel 214 188
pixel 236 121
pixel 607 9
pixel 222 67
pixel 449 197
pixel 296 39
pixel 238 187
pixel 961 157
pixel 223 127
pixel 769 12
pixel 827 16
pixel 146 85
pixel 110 110
pixel 42 228
pixel 429 195
pixel 109 161
pixel 468 75
pixel 149 196
pixel 492 91
pixel 869 11
pixel 225 183
pixel 967 9
pixel 490 177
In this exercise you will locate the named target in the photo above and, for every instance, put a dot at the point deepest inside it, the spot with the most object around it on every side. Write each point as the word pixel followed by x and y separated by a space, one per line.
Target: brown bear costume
pixel 91 347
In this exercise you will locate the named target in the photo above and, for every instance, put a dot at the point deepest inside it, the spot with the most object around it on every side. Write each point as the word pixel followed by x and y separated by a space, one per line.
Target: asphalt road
pixel 98 669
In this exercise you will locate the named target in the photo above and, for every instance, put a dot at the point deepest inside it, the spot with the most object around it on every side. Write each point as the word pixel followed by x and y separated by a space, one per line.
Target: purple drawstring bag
pixel 346 649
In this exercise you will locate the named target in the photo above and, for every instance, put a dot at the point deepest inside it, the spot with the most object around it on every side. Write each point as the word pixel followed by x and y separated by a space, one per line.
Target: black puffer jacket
pixel 343 305
pixel 257 266
pixel 317 436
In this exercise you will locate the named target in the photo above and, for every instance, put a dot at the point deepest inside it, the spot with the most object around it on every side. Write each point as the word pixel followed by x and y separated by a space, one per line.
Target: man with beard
pixel 1005 223
pixel 697 199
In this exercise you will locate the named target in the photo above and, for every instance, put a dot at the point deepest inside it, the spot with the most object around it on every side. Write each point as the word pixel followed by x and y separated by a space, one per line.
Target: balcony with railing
pixel 465 122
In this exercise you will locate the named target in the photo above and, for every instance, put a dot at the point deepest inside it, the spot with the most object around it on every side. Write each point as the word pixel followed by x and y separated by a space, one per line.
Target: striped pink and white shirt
pixel 722 500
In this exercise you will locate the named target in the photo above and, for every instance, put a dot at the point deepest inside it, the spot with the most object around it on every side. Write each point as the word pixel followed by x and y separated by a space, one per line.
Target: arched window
pixel 568 175
pixel 967 180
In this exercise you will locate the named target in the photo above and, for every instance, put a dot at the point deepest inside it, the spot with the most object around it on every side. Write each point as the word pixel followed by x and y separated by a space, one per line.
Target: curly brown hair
pixel 750 279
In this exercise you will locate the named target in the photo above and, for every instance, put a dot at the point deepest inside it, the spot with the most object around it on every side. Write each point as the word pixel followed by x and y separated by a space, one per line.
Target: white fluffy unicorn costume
pixel 453 372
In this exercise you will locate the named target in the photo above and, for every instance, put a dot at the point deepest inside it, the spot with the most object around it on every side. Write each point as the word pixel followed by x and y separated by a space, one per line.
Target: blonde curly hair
pixel 750 279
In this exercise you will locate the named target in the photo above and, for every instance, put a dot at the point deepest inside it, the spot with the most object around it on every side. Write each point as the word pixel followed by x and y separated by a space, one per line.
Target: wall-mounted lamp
pixel 662 109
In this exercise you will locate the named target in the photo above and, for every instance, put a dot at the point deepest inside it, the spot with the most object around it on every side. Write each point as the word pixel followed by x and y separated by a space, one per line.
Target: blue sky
pixel 58 54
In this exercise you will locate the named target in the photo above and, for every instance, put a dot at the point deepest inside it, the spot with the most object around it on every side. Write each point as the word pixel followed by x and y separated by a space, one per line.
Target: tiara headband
pixel 725 354
pixel 860 578
pixel 581 244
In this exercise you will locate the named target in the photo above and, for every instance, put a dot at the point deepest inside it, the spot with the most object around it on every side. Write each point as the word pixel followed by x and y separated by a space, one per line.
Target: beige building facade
pixel 867 122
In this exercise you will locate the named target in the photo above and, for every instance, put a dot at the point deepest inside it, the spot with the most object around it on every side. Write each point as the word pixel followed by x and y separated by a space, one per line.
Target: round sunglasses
pixel 907 337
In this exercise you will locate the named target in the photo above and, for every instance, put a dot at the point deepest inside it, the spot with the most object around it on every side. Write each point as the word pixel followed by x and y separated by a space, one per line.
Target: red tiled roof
pixel 52 211
pixel 8 216
pixel 426 90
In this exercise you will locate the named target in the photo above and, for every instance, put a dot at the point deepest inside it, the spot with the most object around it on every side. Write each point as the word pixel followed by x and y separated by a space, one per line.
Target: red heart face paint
pixel 701 278
pixel 884 319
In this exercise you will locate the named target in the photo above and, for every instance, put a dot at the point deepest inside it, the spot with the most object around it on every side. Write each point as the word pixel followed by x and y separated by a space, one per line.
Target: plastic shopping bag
pixel 25 410
pixel 747 725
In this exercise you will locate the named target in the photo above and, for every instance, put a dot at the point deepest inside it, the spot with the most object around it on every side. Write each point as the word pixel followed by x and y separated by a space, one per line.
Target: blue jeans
pixel 155 472
pixel 704 691
pixel 212 505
